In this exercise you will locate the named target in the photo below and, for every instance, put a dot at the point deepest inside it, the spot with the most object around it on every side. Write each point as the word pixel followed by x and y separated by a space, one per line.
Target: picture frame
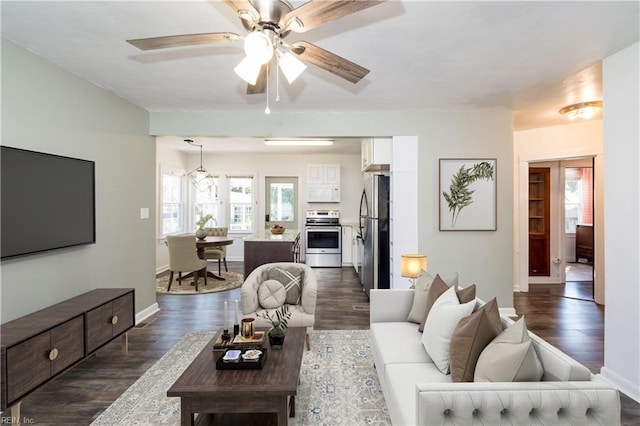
pixel 467 194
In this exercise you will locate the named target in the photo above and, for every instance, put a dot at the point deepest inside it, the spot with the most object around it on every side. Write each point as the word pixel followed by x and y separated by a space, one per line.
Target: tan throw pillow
pixel 271 294
pixel 417 312
pixel 471 336
pixel 510 357
pixel 291 279
pixel 437 287
pixel 445 314
pixel 466 294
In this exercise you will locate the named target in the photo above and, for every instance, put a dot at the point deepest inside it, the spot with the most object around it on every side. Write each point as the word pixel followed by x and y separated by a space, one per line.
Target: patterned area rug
pixel 338 385
pixel 231 280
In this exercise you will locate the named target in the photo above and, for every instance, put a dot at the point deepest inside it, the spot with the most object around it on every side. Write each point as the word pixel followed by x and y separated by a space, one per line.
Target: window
pixel 281 202
pixel 577 197
pixel 241 203
pixel 206 202
pixel 173 205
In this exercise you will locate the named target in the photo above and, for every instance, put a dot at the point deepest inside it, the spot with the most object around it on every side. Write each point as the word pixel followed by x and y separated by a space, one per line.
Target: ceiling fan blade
pixel 261 82
pixel 318 12
pixel 329 61
pixel 244 9
pixel 182 40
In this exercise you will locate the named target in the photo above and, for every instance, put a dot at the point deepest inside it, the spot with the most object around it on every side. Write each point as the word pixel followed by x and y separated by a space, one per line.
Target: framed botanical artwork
pixel 468 194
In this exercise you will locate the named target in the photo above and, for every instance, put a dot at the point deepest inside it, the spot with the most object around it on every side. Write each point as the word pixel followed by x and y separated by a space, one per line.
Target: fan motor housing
pixel 271 13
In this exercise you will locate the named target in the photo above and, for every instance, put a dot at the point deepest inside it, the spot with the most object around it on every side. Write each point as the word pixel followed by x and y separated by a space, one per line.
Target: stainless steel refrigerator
pixel 374 231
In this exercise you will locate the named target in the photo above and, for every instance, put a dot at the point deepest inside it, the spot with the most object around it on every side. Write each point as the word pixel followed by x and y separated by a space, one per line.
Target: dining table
pixel 212 241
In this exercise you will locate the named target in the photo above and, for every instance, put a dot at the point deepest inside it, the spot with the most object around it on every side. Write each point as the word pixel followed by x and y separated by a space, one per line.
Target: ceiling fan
pixel 268 23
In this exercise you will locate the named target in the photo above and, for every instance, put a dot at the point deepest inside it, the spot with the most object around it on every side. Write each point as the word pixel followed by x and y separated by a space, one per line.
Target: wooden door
pixel 539 222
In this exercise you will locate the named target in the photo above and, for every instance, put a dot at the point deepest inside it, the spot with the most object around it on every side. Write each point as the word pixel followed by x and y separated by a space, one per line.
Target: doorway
pixel 281 202
pixel 579 228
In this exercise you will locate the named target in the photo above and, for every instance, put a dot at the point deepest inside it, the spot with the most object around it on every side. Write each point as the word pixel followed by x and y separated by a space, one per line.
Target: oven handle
pixel 323 228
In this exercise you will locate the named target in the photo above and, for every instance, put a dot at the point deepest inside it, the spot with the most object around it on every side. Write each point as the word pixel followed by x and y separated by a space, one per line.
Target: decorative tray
pixel 242 359
pixel 238 341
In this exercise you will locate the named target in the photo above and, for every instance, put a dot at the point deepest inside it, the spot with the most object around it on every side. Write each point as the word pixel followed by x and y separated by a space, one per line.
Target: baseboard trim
pixel 161 269
pixel 147 312
pixel 632 390
pixel 508 312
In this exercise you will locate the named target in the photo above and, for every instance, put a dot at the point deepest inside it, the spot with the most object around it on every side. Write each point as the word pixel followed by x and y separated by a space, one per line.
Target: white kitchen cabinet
pixel 323 173
pixel 376 154
pixel 347 253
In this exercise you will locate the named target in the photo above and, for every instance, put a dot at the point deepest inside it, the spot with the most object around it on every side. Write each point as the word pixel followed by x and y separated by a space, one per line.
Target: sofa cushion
pixel 400 384
pixel 437 287
pixel 291 278
pixel 471 336
pixel 396 342
pixel 419 306
pixel 445 314
pixel 271 294
pixel 510 357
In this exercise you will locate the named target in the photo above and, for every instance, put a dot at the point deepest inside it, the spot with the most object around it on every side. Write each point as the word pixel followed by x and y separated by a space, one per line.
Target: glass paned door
pixel 281 206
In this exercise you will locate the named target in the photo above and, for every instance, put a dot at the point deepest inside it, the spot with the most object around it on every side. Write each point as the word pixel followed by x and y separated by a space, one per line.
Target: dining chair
pixel 218 252
pixel 183 257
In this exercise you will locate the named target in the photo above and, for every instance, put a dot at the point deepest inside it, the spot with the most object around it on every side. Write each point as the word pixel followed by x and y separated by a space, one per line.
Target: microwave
pixel 323 193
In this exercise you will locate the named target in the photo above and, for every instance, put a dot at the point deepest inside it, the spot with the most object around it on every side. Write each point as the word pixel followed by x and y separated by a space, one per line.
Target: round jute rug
pixel 231 280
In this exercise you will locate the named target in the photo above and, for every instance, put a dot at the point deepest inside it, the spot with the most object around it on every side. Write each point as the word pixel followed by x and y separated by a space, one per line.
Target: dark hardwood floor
pixel 79 395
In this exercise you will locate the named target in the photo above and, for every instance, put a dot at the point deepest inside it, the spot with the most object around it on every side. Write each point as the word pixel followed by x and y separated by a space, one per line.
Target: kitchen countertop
pixel 289 235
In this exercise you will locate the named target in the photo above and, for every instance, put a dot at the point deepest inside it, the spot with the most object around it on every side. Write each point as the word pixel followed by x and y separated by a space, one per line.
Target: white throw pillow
pixel 271 294
pixel 441 322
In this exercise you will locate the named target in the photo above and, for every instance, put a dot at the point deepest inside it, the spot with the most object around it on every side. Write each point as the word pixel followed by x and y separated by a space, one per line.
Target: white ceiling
pixel 531 57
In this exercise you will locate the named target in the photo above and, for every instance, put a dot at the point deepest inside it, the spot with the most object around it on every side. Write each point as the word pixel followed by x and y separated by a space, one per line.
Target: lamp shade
pixel 248 70
pixel 291 66
pixel 412 264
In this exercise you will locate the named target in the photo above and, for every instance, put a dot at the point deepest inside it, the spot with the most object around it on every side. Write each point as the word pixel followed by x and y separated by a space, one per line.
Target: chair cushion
pixel 291 278
pixel 510 357
pixel 271 294
pixel 440 325
pixel 471 336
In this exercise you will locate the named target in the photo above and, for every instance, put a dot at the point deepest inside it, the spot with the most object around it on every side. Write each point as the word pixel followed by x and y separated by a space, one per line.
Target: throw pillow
pixel 510 357
pixel 437 287
pixel 291 278
pixel 471 336
pixel 271 294
pixel 445 314
pixel 417 312
pixel 466 294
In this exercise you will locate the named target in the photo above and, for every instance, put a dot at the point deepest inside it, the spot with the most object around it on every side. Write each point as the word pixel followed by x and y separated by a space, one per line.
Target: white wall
pixel 45 108
pixel 621 83
pixel 484 258
pixel 278 165
pixel 554 143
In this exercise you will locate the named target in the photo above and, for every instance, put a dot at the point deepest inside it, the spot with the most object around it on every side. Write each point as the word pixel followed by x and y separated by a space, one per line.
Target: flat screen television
pixel 47 202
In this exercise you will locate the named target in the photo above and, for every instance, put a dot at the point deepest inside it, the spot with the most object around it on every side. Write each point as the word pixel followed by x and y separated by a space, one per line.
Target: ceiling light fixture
pixel 310 142
pixel 291 66
pixel 200 177
pixel 582 110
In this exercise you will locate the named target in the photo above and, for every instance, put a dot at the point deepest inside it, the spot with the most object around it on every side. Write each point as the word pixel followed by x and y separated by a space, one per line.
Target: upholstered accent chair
pixel 183 257
pixel 220 252
pixel 271 285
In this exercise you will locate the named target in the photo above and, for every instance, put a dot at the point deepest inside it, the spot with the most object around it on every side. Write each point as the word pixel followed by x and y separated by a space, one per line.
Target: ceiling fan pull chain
pixel 277 80
pixel 267 110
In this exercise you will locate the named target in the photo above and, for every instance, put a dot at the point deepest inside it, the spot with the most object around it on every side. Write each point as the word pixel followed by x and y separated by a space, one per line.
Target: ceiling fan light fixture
pixel 258 46
pixel 291 66
pixel 248 70
pixel 295 142
pixel 583 110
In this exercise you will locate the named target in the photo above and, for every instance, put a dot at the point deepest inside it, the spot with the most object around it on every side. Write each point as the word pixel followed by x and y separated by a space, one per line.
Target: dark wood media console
pixel 39 346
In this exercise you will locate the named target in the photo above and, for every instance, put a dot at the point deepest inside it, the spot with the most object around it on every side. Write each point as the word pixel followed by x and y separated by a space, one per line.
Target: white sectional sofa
pixel 417 393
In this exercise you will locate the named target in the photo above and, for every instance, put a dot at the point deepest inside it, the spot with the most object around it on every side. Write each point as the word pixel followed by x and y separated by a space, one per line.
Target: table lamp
pixel 411 266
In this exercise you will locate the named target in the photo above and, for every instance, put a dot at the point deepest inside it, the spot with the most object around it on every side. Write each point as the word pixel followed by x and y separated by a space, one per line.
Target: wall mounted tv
pixel 47 202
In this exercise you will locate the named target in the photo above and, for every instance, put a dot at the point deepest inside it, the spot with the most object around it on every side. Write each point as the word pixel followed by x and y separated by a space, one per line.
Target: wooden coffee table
pixel 203 389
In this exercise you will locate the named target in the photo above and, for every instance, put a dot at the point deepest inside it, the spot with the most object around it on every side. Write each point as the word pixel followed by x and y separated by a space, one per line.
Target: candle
pixel 236 313
pixel 225 315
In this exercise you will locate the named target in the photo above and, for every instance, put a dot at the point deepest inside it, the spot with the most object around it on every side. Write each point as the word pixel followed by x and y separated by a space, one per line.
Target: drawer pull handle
pixel 53 354
pixel 114 320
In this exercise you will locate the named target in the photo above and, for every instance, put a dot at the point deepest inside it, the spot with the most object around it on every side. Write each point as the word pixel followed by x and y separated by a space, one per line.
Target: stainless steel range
pixel 323 246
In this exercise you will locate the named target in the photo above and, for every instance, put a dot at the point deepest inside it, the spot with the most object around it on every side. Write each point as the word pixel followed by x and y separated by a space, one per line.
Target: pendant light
pixel 200 177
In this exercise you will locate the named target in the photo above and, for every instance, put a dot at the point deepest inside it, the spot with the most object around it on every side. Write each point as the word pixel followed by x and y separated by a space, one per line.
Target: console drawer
pixel 109 320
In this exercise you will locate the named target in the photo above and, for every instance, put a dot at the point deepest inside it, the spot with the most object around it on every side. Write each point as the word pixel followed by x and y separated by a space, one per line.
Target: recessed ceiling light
pixel 298 142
